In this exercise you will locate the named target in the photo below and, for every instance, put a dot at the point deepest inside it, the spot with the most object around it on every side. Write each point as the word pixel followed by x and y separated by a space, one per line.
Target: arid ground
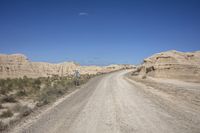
pixel 120 103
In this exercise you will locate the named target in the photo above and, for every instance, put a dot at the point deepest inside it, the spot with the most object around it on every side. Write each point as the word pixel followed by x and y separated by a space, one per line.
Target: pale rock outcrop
pixel 18 65
pixel 173 64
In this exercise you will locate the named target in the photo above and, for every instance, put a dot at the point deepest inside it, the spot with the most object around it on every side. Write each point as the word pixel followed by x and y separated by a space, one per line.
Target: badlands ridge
pixel 18 65
pixel 170 64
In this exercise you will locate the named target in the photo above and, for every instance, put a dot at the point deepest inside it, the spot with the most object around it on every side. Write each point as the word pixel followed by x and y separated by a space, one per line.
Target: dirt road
pixel 114 103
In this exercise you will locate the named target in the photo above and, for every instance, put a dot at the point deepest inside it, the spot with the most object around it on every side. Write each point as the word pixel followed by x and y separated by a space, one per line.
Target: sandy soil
pixel 116 103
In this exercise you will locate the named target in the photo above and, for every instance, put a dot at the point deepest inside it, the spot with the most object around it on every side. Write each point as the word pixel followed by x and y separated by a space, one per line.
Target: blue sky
pixel 98 32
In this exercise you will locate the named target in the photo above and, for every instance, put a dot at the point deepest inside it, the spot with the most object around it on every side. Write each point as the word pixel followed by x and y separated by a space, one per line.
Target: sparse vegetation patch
pixel 6 114
pixel 41 91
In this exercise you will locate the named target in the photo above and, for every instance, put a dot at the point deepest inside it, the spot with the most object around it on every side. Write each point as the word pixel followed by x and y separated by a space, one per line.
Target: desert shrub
pixel 6 114
pixel 7 85
pixel 2 126
pixel 25 111
pixel 37 82
pixel 17 107
pixel 2 83
pixel 9 99
pixel 46 97
pixel 21 93
pixel 25 77
pixel 83 79
pixel 49 94
pixel 43 100
pixel 3 89
pixel 43 89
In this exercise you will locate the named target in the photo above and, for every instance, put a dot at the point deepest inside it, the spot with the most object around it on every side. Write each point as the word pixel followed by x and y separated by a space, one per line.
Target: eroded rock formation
pixel 173 64
pixel 18 65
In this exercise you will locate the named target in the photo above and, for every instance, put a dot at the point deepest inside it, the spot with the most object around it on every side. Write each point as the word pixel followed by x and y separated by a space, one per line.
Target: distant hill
pixel 18 65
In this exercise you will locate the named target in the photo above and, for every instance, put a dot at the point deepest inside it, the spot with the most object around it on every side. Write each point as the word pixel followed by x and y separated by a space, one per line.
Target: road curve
pixel 112 104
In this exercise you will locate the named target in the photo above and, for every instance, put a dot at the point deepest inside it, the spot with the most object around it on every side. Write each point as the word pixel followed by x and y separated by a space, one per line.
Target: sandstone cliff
pixel 173 64
pixel 18 65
